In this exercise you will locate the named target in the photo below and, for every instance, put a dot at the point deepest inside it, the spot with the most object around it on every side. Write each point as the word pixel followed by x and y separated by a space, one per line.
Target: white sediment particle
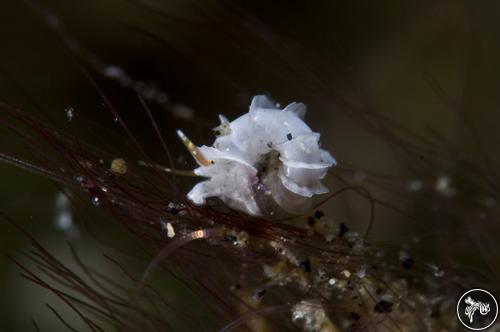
pixel 64 218
pixel 443 186
pixel 309 315
pixel 170 230
pixel 96 201
pixel 70 113
pixel 118 74
pixel 436 271
pixel 361 273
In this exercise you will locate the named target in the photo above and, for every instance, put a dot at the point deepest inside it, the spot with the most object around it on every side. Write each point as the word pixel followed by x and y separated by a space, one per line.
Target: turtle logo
pixel 477 309
pixel 484 308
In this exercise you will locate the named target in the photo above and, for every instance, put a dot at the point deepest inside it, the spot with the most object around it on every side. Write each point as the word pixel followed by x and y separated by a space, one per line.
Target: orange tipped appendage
pixel 193 149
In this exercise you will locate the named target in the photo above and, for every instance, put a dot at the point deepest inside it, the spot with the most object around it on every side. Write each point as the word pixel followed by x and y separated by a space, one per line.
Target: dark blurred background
pixel 413 62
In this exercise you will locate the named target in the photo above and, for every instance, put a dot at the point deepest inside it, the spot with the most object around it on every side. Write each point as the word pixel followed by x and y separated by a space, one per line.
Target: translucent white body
pixel 265 154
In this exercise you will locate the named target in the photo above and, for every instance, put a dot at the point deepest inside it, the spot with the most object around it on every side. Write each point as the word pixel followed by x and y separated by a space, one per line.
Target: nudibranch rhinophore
pixel 266 154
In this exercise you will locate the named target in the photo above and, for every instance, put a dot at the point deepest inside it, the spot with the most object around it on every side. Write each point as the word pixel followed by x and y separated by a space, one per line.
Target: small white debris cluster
pixel 64 217
pixel 309 315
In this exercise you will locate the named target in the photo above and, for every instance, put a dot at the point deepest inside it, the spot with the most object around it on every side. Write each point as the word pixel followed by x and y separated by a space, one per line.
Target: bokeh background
pixel 416 63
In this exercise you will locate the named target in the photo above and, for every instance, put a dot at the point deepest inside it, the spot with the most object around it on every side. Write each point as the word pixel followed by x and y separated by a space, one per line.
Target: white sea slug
pixel 268 154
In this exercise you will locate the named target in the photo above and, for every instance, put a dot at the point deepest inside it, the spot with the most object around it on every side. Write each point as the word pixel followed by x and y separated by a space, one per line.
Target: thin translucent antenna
pixel 180 172
pixel 170 170
pixel 193 149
